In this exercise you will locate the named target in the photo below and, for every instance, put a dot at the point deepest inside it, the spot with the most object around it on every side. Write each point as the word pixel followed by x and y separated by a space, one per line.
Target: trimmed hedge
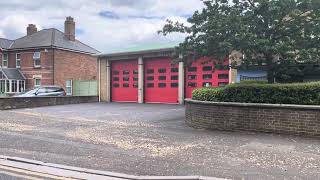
pixel 298 93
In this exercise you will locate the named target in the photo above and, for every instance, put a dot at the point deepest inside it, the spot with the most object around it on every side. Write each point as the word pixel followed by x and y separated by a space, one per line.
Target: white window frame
pixel 71 88
pixel 37 57
pixel 18 60
pixel 5 60
pixel 35 82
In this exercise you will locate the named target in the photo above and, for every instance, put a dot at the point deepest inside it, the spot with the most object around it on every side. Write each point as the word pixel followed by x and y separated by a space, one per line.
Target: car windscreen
pixel 33 91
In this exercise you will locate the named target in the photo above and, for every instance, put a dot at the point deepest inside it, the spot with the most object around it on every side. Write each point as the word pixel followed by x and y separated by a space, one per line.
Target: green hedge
pixel 299 93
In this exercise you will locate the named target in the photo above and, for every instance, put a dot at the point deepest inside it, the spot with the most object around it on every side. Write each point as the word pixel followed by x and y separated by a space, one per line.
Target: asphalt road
pixel 151 139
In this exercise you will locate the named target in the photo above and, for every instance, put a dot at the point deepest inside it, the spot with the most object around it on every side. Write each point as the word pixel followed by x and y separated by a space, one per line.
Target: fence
pixel 85 88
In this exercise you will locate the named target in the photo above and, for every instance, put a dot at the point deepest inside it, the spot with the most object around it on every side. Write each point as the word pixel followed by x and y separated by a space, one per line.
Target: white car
pixel 43 91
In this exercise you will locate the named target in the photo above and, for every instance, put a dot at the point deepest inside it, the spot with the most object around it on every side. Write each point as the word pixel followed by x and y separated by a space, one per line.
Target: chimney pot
pixel 31 29
pixel 70 28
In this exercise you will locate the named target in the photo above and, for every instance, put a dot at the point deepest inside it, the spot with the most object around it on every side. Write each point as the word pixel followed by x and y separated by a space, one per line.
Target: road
pixel 151 139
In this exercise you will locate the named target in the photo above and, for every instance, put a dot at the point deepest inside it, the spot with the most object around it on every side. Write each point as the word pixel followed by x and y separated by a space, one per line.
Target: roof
pixel 51 38
pixel 141 50
pixel 13 73
pixel 5 43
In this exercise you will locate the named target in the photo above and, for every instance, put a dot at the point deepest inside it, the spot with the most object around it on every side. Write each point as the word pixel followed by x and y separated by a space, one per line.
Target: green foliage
pixel 295 93
pixel 266 31
pixel 207 94
pixel 253 82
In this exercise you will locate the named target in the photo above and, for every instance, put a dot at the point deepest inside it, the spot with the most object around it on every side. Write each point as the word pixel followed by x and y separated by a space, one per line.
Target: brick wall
pixel 45 72
pixel 284 119
pixel 30 102
pixel 73 66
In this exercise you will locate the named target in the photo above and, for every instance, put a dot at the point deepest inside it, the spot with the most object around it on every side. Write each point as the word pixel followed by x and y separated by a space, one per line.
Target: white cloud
pixel 127 22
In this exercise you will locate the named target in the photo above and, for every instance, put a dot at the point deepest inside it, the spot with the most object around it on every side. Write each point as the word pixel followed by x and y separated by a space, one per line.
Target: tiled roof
pixel 5 43
pixel 51 37
pixel 13 73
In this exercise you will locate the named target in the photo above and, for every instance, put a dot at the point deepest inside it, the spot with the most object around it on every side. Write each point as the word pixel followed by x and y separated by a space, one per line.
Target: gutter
pixel 134 52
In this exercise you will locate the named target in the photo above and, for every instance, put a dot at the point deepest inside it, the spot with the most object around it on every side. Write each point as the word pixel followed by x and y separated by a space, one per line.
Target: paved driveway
pixel 150 139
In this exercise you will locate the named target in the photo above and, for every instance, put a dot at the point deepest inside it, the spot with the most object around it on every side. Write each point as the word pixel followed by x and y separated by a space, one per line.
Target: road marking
pixel 29 174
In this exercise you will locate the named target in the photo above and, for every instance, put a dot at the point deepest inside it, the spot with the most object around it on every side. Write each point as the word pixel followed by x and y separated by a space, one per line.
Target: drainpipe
pixel 99 86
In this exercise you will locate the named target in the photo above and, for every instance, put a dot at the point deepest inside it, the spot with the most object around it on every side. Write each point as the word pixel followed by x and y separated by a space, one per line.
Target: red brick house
pixel 46 57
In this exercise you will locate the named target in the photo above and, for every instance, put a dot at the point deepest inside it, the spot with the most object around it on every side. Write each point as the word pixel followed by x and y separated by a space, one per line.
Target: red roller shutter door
pixel 124 80
pixel 161 81
pixel 203 72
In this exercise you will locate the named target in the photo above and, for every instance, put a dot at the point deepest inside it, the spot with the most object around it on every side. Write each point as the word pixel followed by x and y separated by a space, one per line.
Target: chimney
pixel 70 28
pixel 31 29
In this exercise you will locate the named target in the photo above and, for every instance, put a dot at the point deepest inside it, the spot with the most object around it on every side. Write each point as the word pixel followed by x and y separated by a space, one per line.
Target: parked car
pixel 43 91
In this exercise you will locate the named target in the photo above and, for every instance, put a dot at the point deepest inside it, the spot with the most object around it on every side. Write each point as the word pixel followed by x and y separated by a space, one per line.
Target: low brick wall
pixel 271 118
pixel 30 102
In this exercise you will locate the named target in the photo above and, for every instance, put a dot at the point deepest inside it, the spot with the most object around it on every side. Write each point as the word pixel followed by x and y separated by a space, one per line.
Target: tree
pixel 265 31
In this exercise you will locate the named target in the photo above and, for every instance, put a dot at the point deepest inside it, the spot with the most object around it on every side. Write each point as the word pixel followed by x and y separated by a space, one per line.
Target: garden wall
pixel 30 102
pixel 272 118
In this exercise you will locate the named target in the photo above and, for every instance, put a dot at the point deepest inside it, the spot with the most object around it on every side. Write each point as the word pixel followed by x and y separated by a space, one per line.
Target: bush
pixel 207 94
pixel 298 93
pixel 254 82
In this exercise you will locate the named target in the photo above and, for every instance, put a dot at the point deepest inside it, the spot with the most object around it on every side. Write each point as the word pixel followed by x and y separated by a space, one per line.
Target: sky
pixel 107 25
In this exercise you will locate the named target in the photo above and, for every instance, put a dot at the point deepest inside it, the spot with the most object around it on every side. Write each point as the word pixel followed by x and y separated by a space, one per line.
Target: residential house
pixel 46 57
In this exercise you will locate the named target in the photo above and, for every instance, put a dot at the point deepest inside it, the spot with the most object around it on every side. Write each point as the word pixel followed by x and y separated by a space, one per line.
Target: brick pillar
pixel 103 81
pixel 140 80
pixel 181 83
pixel 108 81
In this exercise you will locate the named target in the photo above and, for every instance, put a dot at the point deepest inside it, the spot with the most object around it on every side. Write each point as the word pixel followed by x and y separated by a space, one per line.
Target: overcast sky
pixel 104 24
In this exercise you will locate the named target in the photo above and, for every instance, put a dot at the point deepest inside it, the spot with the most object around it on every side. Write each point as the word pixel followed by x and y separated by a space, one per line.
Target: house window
pixel 21 86
pixel 69 87
pixel 36 59
pixel 2 86
pixel 18 60
pixel 37 82
pixel 5 60
pixel 14 86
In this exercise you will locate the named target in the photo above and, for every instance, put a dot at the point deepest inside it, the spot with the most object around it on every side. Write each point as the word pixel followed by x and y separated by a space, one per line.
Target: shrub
pixel 207 94
pixel 254 82
pixel 298 93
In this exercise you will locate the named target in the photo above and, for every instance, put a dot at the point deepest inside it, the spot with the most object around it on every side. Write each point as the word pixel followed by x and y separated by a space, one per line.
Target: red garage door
pixel 124 80
pixel 161 81
pixel 205 72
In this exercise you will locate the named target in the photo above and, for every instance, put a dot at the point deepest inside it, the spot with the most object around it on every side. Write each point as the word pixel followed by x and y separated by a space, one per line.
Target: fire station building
pixel 150 76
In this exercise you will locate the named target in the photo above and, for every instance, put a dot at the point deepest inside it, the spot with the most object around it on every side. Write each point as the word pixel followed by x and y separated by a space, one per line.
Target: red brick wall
pixel 57 66
pixel 73 66
pixel 45 72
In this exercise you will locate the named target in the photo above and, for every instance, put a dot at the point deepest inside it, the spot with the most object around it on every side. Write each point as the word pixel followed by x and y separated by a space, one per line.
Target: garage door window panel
pixel 207 68
pixel 175 77
pixel 162 85
pixel 150 71
pixel 162 70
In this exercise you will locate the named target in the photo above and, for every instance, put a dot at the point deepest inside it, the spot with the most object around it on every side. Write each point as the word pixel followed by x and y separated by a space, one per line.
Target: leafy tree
pixel 265 31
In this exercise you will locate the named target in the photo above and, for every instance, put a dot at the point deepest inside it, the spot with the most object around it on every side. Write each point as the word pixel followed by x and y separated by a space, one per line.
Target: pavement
pixel 153 140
